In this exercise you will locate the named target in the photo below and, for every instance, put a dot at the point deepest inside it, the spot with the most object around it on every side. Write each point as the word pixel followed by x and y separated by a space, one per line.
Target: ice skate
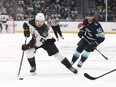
pixel 72 69
pixel 33 70
pixel 62 37
pixel 80 64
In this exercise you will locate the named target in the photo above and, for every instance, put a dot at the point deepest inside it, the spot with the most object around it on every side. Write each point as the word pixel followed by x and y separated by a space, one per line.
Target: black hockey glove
pixel 26 30
pixel 100 39
pixel 80 34
pixel 94 44
pixel 97 42
pixel 25 47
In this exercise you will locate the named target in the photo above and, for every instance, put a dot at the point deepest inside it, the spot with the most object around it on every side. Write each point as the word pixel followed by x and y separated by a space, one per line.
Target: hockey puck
pixel 20 78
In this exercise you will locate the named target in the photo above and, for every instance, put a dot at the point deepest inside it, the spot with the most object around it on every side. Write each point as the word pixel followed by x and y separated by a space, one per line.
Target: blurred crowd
pixel 64 9
pixel 111 10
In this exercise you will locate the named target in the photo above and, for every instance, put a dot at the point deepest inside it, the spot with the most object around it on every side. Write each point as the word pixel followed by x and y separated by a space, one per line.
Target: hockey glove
pixel 25 47
pixel 100 39
pixel 97 42
pixel 80 34
pixel 26 30
pixel 94 44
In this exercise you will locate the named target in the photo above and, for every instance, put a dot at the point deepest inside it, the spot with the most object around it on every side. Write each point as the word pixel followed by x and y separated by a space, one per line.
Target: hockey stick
pixel 94 78
pixel 96 49
pixel 21 59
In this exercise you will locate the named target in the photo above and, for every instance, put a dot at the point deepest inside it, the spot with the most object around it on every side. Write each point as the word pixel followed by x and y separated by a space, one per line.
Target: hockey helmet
pixel 40 16
pixel 91 13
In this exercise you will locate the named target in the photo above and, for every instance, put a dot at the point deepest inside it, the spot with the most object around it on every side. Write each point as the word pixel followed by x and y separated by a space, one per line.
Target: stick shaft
pixel 96 49
pixel 22 59
pixel 107 73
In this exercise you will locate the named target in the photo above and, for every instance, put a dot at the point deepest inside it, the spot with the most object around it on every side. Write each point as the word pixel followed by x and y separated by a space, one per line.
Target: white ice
pixel 50 72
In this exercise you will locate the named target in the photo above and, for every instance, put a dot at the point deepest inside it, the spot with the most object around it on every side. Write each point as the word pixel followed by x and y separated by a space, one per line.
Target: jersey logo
pixel 45 34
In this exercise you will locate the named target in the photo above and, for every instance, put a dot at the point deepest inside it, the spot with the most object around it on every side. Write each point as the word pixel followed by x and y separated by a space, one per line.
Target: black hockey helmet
pixel 91 13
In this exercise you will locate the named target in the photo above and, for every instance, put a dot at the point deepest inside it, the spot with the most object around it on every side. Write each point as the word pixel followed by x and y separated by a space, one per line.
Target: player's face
pixel 39 23
pixel 90 19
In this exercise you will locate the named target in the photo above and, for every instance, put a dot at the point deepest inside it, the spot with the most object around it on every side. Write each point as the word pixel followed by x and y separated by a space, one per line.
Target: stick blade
pixel 89 77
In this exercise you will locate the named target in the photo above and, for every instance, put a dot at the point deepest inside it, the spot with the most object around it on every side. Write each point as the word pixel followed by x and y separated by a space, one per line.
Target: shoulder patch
pixel 45 33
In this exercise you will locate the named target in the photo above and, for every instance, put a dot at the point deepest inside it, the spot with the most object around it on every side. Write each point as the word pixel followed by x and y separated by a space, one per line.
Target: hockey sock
pixel 66 63
pixel 32 61
pixel 74 59
pixel 75 56
pixel 83 59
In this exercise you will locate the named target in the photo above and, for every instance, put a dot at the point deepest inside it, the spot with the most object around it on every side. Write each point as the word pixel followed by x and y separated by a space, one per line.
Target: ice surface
pixel 50 72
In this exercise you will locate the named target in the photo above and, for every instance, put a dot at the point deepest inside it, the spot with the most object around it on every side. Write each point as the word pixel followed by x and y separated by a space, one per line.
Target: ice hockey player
pixel 92 32
pixel 41 38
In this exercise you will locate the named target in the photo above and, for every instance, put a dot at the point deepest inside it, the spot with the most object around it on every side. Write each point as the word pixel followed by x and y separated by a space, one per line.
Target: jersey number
pixel 99 30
